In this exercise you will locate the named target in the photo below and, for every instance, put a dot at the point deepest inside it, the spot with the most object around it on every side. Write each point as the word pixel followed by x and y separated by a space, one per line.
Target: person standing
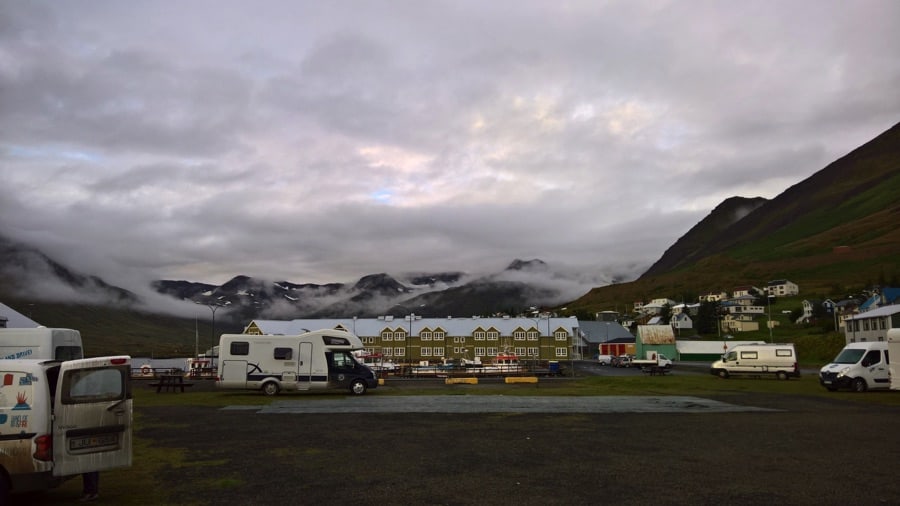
pixel 90 488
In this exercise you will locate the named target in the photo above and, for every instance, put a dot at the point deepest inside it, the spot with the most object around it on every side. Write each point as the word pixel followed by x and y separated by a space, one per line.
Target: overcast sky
pixel 323 141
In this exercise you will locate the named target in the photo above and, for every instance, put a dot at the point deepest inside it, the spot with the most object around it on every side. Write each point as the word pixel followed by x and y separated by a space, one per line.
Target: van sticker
pixel 19 422
pixel 21 403
pixel 3 418
pixel 26 380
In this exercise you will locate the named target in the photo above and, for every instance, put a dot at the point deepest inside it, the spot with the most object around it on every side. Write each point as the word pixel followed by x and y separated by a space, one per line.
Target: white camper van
pixel 61 419
pixel 779 360
pixel 859 366
pixel 310 361
pixel 40 343
pixel 893 340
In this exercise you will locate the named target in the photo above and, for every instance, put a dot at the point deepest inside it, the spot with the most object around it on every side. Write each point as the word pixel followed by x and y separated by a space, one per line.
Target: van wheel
pixel 859 385
pixel 270 388
pixel 723 374
pixel 358 387
pixel 782 375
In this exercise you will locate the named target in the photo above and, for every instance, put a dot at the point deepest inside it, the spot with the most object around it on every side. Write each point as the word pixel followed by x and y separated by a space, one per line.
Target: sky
pixel 319 142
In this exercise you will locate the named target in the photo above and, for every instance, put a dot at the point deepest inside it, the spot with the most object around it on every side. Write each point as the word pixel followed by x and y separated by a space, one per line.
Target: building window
pixel 426 351
pixel 493 336
pixel 479 351
pixel 399 336
pixel 459 350
pixel 533 352
pixel 459 339
pixel 562 352
pixel 399 352
pixel 491 351
pixel 520 351
pixel 532 335
pixel 561 336
pixel 519 335
pixel 438 336
pixel 388 352
pixel 479 336
pixel 387 336
pixel 438 351
pixel 426 336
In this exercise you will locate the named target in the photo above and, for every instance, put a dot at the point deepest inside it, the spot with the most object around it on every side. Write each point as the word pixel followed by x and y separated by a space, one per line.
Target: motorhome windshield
pixel 849 356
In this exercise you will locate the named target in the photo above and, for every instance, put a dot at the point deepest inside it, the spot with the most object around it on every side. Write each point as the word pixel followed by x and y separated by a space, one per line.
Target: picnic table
pixel 170 383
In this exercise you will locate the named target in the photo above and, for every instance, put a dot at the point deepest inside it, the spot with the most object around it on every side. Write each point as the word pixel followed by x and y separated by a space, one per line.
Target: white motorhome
pixel 40 343
pixel 859 366
pixel 310 361
pixel 779 360
pixel 893 340
pixel 61 419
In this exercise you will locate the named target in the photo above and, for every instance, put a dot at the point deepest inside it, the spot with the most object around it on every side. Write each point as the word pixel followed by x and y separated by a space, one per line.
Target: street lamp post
pixel 213 308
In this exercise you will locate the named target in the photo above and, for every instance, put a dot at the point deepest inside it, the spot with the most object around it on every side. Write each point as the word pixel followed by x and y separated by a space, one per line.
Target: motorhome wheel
pixel 782 375
pixel 270 388
pixel 723 374
pixel 358 387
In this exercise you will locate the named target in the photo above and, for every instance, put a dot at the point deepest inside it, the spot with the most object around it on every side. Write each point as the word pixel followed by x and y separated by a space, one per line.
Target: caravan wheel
pixel 270 388
pixel 358 387
pixel 782 375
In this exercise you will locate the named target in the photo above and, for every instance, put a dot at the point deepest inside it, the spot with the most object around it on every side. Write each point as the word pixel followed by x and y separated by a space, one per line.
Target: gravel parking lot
pixel 774 449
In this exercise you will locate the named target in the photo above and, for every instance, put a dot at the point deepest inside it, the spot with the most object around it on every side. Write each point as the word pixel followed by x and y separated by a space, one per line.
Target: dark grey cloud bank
pixel 322 141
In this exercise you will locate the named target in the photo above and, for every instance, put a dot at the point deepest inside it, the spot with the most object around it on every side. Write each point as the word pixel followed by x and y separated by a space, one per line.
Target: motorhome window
pixel 283 353
pixel 336 341
pixel 343 360
pixel 784 353
pixel 871 358
pixel 749 355
pixel 240 348
pixel 64 353
pixel 849 356
pixel 93 385
pixel 732 355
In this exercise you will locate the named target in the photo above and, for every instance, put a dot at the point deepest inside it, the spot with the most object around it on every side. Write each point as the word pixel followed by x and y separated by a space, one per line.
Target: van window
pixel 849 356
pixel 283 354
pixel 95 385
pixel 240 348
pixel 749 355
pixel 64 353
pixel 871 358
pixel 784 352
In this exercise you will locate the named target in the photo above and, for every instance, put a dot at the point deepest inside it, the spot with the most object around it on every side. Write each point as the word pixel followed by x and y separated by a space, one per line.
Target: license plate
pixel 83 443
pixel 826 382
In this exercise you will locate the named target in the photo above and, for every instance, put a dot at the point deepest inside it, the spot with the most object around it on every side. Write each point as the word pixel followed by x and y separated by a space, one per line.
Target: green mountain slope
pixel 835 231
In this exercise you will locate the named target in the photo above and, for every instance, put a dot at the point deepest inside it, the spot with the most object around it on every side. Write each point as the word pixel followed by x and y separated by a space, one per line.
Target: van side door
pixel 875 364
pixel 92 418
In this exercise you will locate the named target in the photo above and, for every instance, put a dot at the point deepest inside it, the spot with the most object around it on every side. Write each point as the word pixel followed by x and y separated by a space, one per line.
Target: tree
pixel 707 319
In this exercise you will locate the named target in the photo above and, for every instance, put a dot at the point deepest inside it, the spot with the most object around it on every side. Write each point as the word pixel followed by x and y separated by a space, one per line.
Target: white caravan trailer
pixel 893 340
pixel 310 361
pixel 758 359
pixel 859 366
pixel 40 343
pixel 61 419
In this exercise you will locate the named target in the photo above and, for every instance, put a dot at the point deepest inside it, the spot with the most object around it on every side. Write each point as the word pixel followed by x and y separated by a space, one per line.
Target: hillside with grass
pixel 832 234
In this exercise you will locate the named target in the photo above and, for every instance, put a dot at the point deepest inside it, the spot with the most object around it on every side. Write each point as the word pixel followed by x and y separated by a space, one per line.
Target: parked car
pixel 605 359
pixel 624 360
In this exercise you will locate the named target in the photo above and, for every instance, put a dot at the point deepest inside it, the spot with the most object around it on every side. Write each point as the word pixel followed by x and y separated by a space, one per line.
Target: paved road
pixel 500 404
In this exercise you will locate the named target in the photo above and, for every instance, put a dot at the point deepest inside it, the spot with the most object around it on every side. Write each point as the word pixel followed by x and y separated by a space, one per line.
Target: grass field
pixel 149 460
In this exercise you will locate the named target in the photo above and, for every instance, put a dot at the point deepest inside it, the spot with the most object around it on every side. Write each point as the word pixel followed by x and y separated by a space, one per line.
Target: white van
pixel 61 419
pixel 779 360
pixel 40 343
pixel 859 366
pixel 313 360
pixel 893 340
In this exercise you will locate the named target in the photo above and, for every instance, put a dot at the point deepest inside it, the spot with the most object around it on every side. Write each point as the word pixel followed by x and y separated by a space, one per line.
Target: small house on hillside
pixel 782 288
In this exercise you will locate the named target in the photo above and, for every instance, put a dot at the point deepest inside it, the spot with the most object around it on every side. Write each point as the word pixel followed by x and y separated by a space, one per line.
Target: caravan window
pixel 784 352
pixel 750 355
pixel 283 354
pixel 240 348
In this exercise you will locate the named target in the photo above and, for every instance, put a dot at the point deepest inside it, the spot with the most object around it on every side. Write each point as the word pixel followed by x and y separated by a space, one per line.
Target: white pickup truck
pixel 654 363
